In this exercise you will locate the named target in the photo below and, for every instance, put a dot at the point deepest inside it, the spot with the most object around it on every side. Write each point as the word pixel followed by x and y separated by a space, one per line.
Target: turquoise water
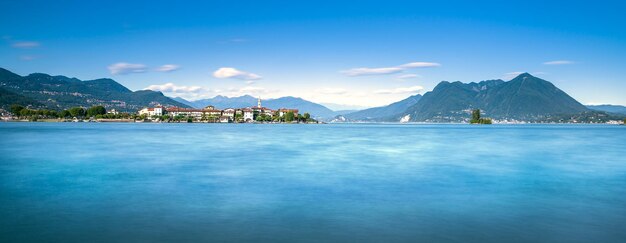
pixel 89 182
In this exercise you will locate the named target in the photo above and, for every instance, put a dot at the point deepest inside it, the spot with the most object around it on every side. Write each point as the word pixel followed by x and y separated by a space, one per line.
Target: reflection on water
pixel 366 182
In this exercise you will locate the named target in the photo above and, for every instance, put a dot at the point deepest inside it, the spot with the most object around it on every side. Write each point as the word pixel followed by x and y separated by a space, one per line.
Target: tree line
pixel 78 112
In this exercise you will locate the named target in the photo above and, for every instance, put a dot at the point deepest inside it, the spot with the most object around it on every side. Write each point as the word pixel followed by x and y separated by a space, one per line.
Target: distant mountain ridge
pixel 616 109
pixel 222 102
pixel 524 98
pixel 384 112
pixel 60 92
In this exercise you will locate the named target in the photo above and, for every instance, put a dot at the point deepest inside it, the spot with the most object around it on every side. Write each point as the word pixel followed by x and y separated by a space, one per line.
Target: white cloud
pixel 419 65
pixel 250 82
pixel 404 90
pixel 26 44
pixel 371 71
pixel 126 68
pixel 388 70
pixel 229 72
pixel 408 76
pixel 332 91
pixel 558 62
pixel 168 68
pixel 172 88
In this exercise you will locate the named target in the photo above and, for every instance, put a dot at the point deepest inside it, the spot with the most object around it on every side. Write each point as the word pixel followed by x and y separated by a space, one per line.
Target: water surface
pixel 88 182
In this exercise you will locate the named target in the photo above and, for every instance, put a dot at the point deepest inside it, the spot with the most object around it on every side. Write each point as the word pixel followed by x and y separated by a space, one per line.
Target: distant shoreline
pixel 347 123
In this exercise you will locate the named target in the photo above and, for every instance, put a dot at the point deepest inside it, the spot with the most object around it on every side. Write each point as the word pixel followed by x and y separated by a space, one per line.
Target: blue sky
pixel 357 53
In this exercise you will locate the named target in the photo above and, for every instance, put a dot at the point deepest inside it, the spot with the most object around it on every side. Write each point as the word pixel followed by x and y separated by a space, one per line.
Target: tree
pixel 307 116
pixel 96 110
pixel 25 112
pixel 15 109
pixel 64 114
pixel 477 120
pixel 77 111
pixel 289 116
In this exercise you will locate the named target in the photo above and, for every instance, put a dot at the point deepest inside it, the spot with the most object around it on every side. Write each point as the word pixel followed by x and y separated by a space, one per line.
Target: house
pixel 229 112
pixel 114 112
pixel 283 111
pixel 248 114
pixel 151 111
pixel 213 113
pixel 185 112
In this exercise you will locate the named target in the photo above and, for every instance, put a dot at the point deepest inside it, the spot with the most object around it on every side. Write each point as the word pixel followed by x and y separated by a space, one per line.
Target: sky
pixel 346 54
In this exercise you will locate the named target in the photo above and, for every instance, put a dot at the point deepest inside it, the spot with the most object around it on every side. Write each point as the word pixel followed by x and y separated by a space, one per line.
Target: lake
pixel 103 182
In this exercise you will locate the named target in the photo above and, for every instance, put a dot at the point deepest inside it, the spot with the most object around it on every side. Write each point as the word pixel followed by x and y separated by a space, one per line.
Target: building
pixel 229 112
pixel 283 111
pixel 151 111
pixel 248 115
pixel 185 112
pixel 114 112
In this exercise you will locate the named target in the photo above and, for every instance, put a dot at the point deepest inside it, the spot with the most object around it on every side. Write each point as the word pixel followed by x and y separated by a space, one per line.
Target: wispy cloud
pixel 126 68
pixel 229 72
pixel 25 44
pixel 332 91
pixel 403 90
pixel 172 88
pixel 362 71
pixel 558 62
pixel 168 68
pixel 408 76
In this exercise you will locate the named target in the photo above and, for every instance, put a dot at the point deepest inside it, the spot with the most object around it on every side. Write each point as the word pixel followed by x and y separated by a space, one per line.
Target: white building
pixel 248 115
pixel 151 111
pixel 283 111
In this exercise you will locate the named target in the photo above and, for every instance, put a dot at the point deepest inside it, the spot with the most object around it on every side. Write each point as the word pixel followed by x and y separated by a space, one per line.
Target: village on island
pixel 159 113
pixel 210 114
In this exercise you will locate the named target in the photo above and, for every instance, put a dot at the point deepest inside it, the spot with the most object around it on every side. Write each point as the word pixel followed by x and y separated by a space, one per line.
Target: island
pixel 159 113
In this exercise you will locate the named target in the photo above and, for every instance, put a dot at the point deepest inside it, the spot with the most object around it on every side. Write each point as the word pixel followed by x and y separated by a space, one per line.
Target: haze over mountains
pixel 524 98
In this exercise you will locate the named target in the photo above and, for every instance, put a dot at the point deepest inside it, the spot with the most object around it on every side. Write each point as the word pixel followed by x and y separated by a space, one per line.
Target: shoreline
pixel 365 123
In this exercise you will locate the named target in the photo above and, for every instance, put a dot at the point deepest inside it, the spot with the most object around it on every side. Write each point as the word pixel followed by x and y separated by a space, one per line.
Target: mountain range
pixel 60 92
pixel 524 98
pixel 384 112
pixel 615 109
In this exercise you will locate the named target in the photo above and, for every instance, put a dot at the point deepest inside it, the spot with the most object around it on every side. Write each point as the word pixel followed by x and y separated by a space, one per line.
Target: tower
pixel 259 103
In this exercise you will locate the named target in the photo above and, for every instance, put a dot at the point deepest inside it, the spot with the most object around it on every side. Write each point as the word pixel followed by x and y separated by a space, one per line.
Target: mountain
pixel 183 101
pixel 8 98
pixel 616 109
pixel 222 102
pixel 523 98
pixel 383 112
pixel 316 110
pixel 60 92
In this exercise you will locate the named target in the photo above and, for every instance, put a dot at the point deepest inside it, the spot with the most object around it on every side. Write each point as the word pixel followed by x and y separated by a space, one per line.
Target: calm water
pixel 84 182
